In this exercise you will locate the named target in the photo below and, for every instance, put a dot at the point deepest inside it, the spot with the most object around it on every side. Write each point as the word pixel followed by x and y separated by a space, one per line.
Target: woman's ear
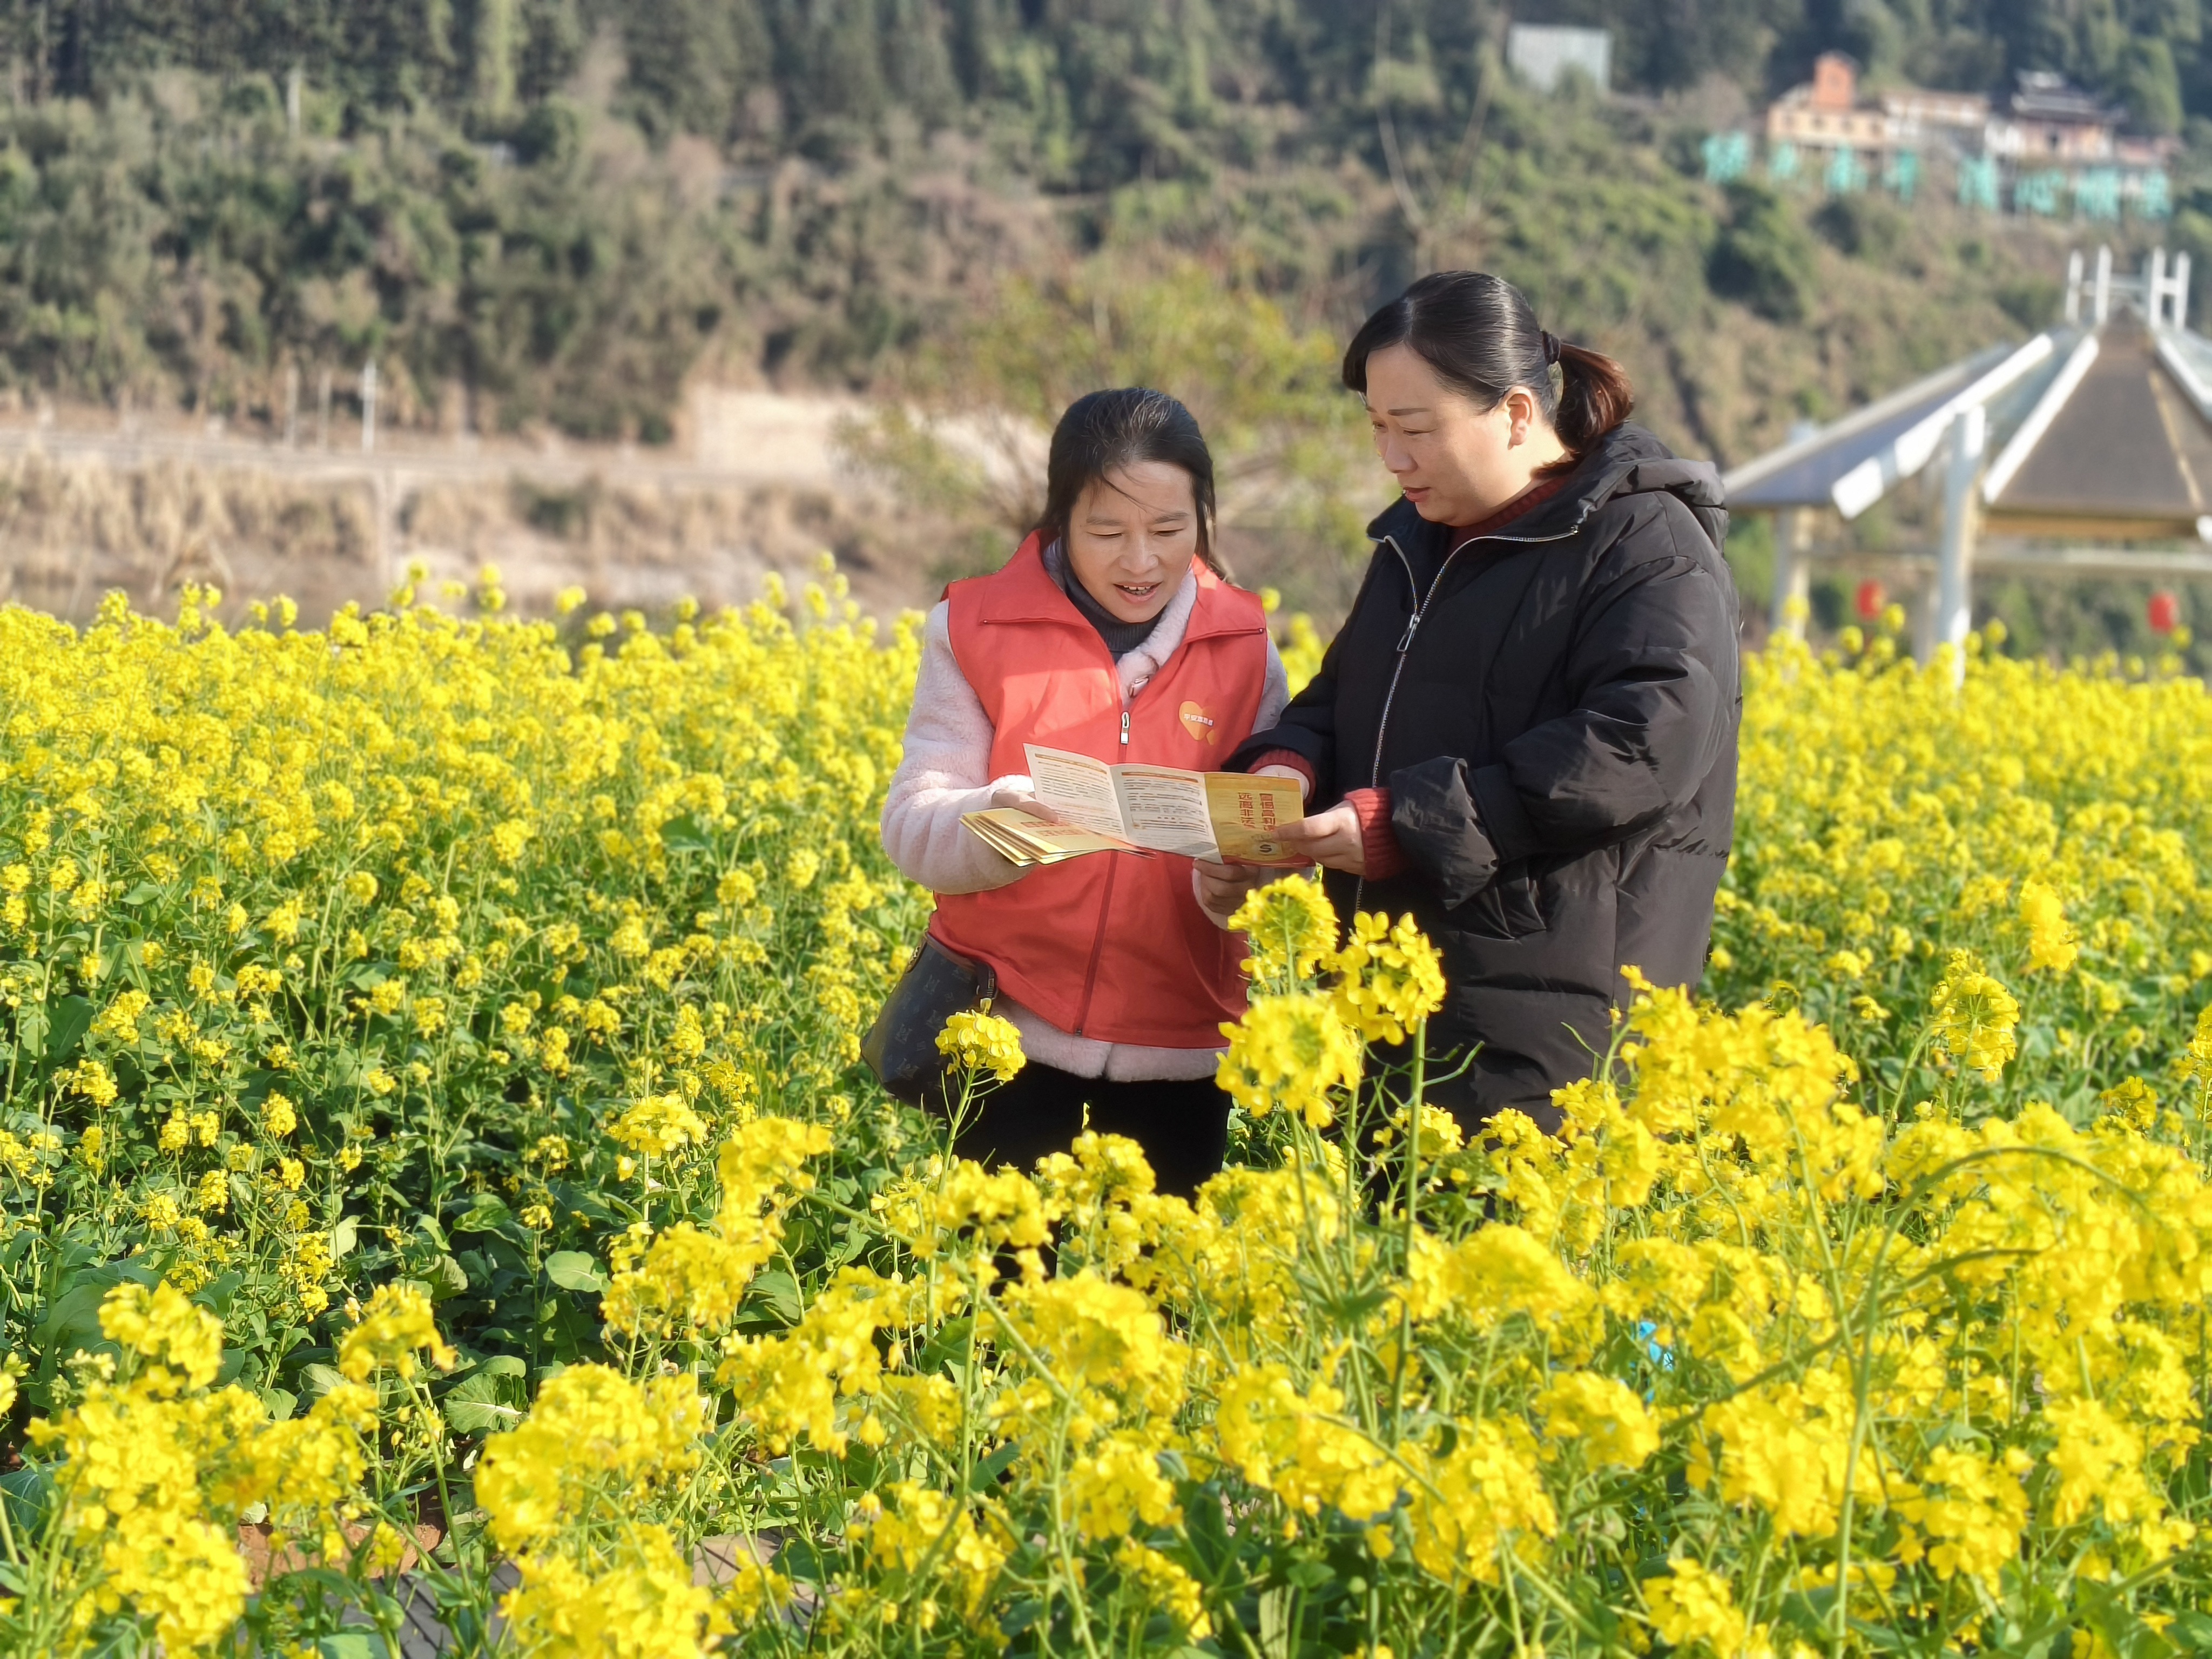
pixel 1520 416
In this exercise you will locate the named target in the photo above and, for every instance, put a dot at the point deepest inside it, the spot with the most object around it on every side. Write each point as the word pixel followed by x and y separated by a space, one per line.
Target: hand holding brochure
pixel 1220 815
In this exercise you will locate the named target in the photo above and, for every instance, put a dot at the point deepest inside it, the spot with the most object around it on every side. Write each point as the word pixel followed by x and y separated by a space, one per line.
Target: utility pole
pixel 1793 557
pixel 368 407
pixel 1954 597
pixel 1793 573
pixel 291 403
pixel 323 418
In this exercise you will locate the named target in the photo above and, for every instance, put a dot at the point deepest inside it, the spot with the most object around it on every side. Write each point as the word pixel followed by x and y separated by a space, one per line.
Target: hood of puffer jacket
pixel 1626 461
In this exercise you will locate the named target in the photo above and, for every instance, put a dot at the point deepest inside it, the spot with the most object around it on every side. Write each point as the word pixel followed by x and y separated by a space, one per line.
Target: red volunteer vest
pixel 1109 945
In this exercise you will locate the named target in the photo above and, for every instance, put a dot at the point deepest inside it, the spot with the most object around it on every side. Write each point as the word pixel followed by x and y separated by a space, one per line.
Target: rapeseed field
pixel 439 1184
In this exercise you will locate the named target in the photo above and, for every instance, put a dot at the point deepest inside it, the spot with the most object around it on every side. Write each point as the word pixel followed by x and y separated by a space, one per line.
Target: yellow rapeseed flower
pixel 1974 1017
pixel 1291 1051
pixel 979 1043
pixel 395 1324
pixel 2051 941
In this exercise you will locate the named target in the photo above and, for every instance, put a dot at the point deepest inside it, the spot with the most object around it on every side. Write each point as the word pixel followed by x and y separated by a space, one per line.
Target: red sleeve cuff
pixel 1378 844
pixel 1289 758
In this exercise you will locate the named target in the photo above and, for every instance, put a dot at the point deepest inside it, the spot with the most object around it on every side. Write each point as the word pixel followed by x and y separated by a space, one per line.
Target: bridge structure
pixel 2086 450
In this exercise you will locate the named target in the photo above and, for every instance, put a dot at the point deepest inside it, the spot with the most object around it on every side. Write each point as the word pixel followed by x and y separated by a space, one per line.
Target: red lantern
pixel 1870 600
pixel 2165 613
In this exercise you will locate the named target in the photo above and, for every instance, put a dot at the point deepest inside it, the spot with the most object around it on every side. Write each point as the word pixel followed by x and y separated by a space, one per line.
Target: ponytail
pixel 1481 336
pixel 1594 396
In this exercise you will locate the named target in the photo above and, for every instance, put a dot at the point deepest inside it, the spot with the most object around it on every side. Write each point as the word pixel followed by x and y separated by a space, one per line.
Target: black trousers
pixel 1182 1127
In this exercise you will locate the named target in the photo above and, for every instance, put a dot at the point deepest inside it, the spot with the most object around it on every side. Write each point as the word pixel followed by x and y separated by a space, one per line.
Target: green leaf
pixel 480 1404
pixel 504 1365
pixel 70 1019
pixel 31 1030
pixel 143 893
pixel 1309 1575
pixel 351 1644
pixel 2193 1631
pixel 486 1214
pixel 219 1293
pixel 775 1292
pixel 71 1321
pixel 26 1492
pixel 446 1279
pixel 684 835
pixel 2122 1627
pixel 986 1473
pixel 947 1348
pixel 344 1237
pixel 574 1270
pixel 321 1378
pixel 799 1559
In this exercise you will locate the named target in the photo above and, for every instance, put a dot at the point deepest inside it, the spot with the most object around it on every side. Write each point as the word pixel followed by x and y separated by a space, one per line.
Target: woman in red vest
pixel 1111 632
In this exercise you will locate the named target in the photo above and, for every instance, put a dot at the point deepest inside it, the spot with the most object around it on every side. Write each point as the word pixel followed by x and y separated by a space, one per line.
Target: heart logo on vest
pixel 1200 724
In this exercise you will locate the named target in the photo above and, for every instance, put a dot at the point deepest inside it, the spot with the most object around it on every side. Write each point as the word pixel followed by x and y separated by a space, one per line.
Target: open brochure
pixel 1220 816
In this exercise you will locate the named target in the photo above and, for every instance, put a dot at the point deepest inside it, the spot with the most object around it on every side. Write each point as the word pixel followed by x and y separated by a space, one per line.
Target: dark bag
pixel 900 1047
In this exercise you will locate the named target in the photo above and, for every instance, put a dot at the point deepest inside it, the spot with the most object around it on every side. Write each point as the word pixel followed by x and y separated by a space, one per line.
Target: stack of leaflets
pixel 1024 838
pixel 1089 806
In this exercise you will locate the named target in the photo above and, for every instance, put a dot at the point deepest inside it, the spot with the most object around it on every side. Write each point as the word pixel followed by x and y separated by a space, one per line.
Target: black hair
pixel 1103 431
pixel 1481 336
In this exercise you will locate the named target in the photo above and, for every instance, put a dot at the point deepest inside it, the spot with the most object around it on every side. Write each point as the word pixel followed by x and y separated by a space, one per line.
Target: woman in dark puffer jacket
pixel 1525 732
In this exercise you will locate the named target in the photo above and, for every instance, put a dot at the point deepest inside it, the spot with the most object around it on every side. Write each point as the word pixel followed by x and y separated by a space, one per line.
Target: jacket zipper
pixel 1406 643
pixel 1106 903
pixel 1097 946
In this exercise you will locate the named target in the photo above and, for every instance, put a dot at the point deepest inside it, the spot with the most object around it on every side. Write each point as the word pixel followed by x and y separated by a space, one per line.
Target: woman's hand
pixel 1222 887
pixel 1022 794
pixel 1330 838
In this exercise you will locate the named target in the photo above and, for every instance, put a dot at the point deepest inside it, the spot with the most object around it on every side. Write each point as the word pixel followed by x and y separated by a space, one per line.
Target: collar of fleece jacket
pixel 1137 660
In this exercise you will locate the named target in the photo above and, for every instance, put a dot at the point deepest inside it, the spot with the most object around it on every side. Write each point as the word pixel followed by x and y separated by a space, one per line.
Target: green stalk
pixel 1405 1258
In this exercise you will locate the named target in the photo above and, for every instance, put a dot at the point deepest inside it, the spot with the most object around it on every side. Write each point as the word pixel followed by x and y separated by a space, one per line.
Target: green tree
pixel 1762 256
pixel 692 62
pixel 2152 86
pixel 1285 435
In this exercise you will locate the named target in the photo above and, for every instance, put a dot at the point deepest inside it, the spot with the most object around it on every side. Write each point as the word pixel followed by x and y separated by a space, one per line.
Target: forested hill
pixel 562 211
pixel 1100 90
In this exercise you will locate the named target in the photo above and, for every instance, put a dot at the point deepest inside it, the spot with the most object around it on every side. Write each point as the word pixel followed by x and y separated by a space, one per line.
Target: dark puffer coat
pixel 1553 709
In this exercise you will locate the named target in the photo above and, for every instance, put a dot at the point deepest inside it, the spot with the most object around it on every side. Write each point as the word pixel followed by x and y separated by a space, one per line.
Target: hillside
pixel 562 215
pixel 178 240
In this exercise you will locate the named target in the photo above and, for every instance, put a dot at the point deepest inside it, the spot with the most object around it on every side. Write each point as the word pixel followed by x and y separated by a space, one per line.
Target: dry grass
pixel 70 531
